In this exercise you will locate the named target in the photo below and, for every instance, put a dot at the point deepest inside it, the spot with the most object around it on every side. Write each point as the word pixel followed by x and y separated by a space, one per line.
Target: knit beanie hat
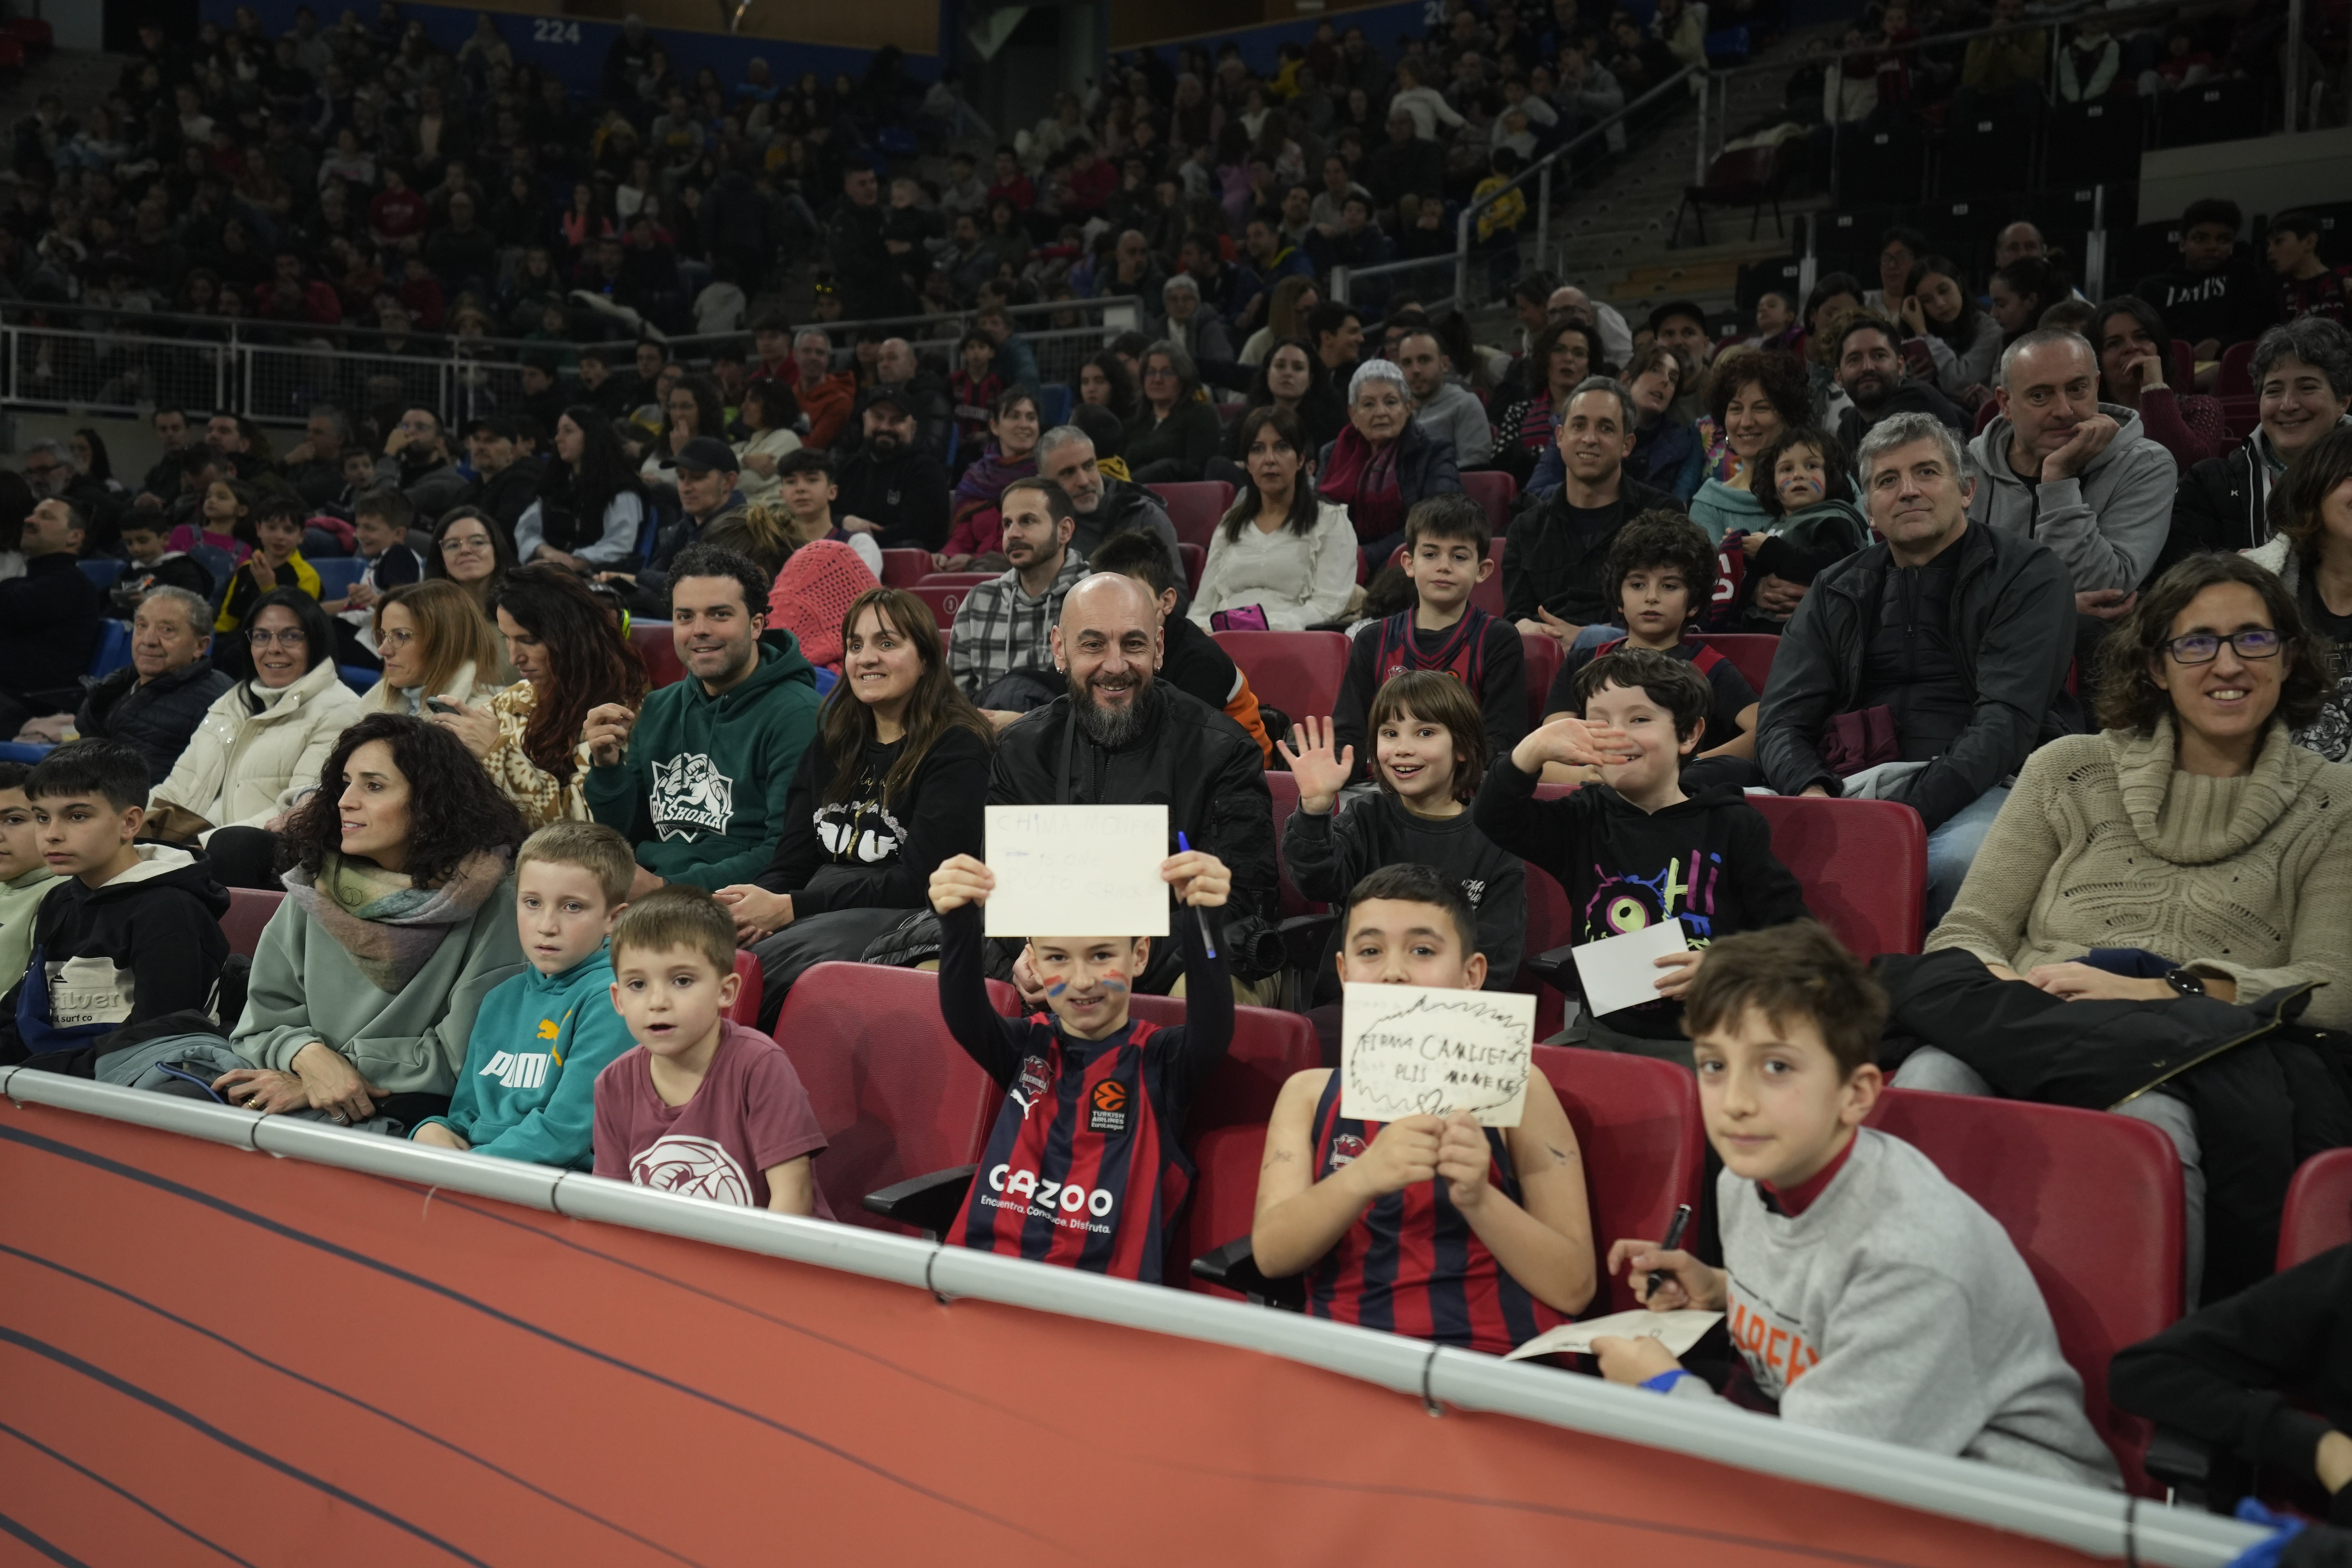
pixel 813 592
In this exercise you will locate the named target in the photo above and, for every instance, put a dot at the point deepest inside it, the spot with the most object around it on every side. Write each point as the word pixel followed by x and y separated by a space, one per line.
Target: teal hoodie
pixel 528 1091
pixel 701 792
pixel 1722 509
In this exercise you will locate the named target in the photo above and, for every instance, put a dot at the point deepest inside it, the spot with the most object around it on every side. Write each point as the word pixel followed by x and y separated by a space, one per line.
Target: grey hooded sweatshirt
pixel 2108 524
pixel 1894 1308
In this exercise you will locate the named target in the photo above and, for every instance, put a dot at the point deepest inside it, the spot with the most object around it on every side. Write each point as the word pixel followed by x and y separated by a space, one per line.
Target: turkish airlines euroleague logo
pixel 1109 1108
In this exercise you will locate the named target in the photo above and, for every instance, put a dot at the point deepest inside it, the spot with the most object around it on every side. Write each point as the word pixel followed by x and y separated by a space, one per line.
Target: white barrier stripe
pixel 2072 1516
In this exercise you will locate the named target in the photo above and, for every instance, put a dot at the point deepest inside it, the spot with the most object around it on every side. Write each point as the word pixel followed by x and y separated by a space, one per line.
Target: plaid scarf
pixel 387 925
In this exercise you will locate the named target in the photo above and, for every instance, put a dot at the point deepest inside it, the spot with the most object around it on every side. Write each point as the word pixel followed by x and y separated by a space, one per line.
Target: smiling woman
pixel 1383 462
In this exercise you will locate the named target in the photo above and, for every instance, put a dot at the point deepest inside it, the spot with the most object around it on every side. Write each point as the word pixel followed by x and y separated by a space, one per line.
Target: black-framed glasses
pixel 2204 648
pixel 262 637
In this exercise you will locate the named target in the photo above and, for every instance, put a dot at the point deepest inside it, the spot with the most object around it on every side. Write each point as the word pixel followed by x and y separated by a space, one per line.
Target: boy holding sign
pixel 1083 1167
pixel 1428 1224
pixel 1866 1293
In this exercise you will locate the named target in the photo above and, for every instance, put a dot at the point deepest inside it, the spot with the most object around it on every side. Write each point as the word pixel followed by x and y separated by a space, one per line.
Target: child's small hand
pixel 1402 1153
pixel 1463 1160
pixel 1679 970
pixel 1635 1360
pixel 1200 879
pixel 1687 1282
pixel 439 1135
pixel 961 880
pixel 1565 738
pixel 1320 774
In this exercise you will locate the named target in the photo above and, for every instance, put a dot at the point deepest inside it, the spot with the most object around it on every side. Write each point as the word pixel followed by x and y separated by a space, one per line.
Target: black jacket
pixel 1202 765
pixel 1329 855
pixel 148 942
pixel 508 494
pixel 2227 1374
pixel 48 629
pixel 907 492
pixel 1124 505
pixel 855 853
pixel 156 718
pixel 1552 563
pixel 2222 504
pixel 2011 623
pixel 1912 396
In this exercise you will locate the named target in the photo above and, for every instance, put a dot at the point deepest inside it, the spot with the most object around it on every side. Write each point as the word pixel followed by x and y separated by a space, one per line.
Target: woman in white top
pixel 768 411
pixel 1281 549
pixel 435 641
pixel 591 505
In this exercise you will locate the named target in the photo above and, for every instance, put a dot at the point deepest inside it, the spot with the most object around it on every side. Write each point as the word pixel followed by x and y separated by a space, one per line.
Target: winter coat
pixel 253 756
pixel 157 717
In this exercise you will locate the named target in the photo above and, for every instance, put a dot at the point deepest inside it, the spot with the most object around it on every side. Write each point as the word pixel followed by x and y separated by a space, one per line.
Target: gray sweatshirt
pixel 2108 523
pixel 1894 1308
pixel 1454 411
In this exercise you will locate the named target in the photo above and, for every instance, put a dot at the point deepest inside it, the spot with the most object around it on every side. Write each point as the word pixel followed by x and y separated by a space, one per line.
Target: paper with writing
pixel 1077 871
pixel 1408 1050
pixel 1677 1331
pixel 1623 971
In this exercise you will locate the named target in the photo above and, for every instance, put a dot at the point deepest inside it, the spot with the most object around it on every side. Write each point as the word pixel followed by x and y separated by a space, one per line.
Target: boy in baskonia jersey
pixel 1445 543
pixel 1083 1167
pixel 1434 1228
pixel 528 1089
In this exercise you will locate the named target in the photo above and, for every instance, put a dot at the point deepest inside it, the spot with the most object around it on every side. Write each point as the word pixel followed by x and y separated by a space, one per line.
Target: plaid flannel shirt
pixel 1000 630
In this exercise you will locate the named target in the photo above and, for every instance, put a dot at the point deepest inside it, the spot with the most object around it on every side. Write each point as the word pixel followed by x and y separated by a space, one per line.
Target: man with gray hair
pixel 1101 505
pixel 1924 668
pixel 1194 324
pixel 154 703
pixel 2059 467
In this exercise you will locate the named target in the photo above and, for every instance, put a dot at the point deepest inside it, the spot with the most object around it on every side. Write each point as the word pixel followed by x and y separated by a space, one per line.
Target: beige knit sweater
pixel 2105 842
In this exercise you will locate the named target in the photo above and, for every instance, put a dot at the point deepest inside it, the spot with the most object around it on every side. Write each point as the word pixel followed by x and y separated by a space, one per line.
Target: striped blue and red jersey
pixel 1411 1264
pixel 1084 1166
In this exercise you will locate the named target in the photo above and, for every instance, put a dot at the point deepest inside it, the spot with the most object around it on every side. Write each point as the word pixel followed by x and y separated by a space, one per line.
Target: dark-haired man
pixel 1869 368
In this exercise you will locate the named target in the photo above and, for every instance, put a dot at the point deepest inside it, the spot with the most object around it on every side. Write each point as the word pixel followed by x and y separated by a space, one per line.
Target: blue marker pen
pixel 1201 914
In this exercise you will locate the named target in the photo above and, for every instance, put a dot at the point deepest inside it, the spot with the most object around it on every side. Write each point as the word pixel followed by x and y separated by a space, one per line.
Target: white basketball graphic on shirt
pixel 695 1166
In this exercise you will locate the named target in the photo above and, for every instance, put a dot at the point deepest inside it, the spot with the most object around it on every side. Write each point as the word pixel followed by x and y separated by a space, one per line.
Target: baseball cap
pixel 706 454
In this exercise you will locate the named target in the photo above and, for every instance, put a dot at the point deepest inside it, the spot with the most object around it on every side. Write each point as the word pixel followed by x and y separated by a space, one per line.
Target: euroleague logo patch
pixel 1110 1112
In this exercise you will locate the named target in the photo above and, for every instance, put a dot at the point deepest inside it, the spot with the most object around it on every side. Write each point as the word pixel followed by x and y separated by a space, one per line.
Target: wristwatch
pixel 2188 984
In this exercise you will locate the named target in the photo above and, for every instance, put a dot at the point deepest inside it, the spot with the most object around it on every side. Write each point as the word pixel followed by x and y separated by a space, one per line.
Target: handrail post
pixel 1339 284
pixel 2294 65
pixel 1543 217
pixel 1462 262
pixel 1698 175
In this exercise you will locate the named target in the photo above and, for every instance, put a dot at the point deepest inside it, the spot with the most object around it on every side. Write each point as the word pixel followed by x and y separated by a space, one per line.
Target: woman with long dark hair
pixel 769 410
pixel 1289 378
pixel 567 645
pixel 1014 426
pixel 893 787
pixel 1106 380
pixel 398 920
pixel 1281 549
pixel 2312 555
pixel 1964 341
pixel 693 406
pixel 591 505
pixel 2135 349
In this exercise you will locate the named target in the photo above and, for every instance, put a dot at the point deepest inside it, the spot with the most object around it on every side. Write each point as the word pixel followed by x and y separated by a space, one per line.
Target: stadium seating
pixel 1862 863
pixel 2109 1266
pixel 2235 378
pixel 957 579
pixel 113 649
pixel 1638 1129
pixel 102 571
pixel 1750 653
pixel 1284 791
pixel 1196 559
pixel 1194 506
pixel 746 1010
pixel 1299 672
pixel 337 573
pixel 905 568
pixel 654 644
pixel 2318 1214
pixel 249 910
pixel 942 601
pixel 1544 656
pixel 1495 490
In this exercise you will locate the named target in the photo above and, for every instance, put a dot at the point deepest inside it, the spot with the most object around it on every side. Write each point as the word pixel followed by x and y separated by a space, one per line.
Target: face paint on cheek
pixel 1112 980
pixel 1058 987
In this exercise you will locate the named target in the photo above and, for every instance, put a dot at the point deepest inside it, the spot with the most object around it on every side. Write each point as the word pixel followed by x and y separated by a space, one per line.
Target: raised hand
pixel 1321 775
pixel 959 881
pixel 1200 879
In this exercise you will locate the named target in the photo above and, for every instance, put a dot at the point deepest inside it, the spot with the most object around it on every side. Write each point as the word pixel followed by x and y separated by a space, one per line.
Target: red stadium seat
pixel 1750 653
pixel 1638 1130
pixel 1194 506
pixel 1486 596
pixel 896 1096
pixel 2235 378
pixel 905 568
pixel 653 642
pixel 956 579
pixel 2318 1214
pixel 1544 656
pixel 746 1010
pixel 1551 923
pixel 2091 1201
pixel 1299 672
pixel 1862 863
pixel 1224 1199
pixel 1284 791
pixel 35 35
pixel 942 601
pixel 12 53
pixel 1196 561
pixel 1495 490
pixel 1268 1047
pixel 249 910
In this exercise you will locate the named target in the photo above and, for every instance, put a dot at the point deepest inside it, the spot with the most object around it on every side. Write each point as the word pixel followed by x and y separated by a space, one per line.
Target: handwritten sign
pixel 1077 871
pixel 1678 1331
pixel 1410 1050
pixel 1623 971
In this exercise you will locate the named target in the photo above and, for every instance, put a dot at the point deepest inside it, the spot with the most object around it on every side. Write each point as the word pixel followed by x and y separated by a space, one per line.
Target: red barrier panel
pixel 302 1364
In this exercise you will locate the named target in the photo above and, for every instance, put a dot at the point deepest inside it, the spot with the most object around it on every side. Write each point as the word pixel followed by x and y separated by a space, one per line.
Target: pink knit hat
pixel 813 592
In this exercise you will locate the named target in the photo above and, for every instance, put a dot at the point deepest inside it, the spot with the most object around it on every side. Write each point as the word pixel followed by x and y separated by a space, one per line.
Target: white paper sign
pixel 1676 1330
pixel 1077 871
pixel 1623 971
pixel 1410 1050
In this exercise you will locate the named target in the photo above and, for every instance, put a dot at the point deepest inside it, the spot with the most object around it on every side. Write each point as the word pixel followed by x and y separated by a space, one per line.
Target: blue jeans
pixel 1952 846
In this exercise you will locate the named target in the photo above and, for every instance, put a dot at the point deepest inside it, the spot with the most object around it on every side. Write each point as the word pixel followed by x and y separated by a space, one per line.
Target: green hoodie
pixel 528 1091
pixel 701 792
pixel 20 901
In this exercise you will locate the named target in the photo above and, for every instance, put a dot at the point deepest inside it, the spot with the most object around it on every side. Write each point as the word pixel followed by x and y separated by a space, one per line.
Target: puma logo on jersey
pixel 548 1030
pixel 514 1071
pixel 1036 1078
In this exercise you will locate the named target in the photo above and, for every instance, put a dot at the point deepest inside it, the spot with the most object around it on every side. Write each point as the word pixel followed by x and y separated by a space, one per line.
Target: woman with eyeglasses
pixel 261 744
pixel 2190 850
pixel 435 642
pixel 1175 432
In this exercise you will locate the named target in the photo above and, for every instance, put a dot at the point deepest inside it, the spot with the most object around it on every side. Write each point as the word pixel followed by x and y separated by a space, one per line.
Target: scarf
pixel 388 925
pixel 1114 468
pixel 986 479
pixel 1363 479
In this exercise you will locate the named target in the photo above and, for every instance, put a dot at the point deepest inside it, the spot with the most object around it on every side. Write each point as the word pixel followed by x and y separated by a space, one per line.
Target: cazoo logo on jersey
pixel 1042 1195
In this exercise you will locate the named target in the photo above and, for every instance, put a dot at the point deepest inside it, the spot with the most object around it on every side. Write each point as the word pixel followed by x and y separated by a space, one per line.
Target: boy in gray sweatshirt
pixel 1864 1292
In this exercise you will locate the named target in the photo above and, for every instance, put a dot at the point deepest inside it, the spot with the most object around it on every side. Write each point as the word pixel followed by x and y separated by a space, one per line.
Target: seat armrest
pixel 928 1203
pixel 1555 965
pixel 1304 938
pixel 2199 1474
pixel 1233 1268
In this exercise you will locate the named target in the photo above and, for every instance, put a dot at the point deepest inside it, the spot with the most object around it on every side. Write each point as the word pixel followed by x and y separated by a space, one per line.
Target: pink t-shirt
pixel 749 1114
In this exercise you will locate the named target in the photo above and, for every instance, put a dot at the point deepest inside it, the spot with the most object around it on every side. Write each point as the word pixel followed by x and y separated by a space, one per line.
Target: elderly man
pixel 1194 324
pixel 1962 635
pixel 314 467
pixel 48 619
pixel 1117 736
pixel 2079 475
pixel 1443 406
pixel 155 702
pixel 1101 506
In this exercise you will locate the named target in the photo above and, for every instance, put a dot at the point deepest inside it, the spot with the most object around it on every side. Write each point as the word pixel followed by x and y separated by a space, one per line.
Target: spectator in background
pixel 1100 504
pixel 2308 286
pixel 1754 396
pixel 1002 632
pixel 1176 432
pixel 1011 454
pixel 768 411
pixel 434 643
pixel 893 489
pixel 1555 561
pixel 591 505
pixel 825 398
pixel 1287 379
pixel 873 283
pixel 2215 296
pixel 1681 325
pixel 1869 363
pixel 1565 352
pixel 1668 455
pixel 2303 381
pixel 48 619
pixel 416 463
pixel 1270 259
pixel 1281 549
pixel 155 702
pixel 2003 70
pixel 470 551
pixel 1443 407
pixel 1899 249
pixel 1382 462
pixel 505 480
pixel 705 472
pixel 314 467
pixel 2135 351
pixel 2020 291
pixel 1105 381
pixel 1963 340
pixel 1191 324
pixel 1286 317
